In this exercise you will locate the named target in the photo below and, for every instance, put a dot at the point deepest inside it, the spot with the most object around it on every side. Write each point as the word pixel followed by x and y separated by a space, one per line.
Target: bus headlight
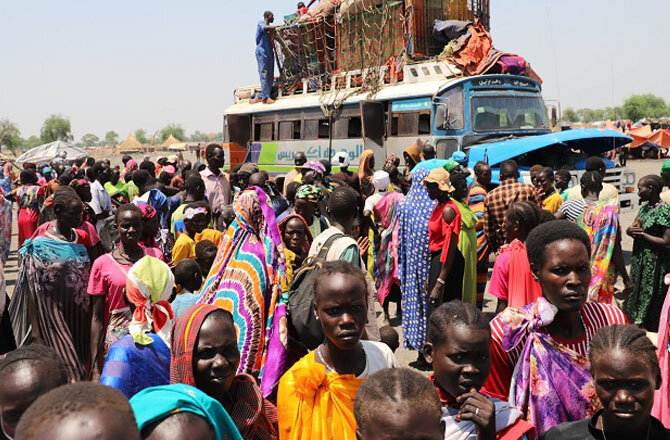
pixel 630 179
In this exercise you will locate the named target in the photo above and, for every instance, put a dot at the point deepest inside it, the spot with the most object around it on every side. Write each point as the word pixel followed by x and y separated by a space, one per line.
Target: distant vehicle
pixel 490 117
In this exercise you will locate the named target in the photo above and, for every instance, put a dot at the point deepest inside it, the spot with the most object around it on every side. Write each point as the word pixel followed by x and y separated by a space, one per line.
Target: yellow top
pixel 553 202
pixel 184 246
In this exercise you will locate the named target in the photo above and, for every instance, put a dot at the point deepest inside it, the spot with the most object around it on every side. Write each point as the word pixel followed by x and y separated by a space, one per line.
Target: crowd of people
pixel 188 301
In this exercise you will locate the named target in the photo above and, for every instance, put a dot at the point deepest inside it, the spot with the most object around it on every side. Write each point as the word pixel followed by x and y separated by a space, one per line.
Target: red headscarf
pixel 308 233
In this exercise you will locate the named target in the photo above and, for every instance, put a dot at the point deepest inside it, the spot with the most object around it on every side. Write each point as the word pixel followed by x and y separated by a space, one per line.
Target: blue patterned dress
pixel 414 259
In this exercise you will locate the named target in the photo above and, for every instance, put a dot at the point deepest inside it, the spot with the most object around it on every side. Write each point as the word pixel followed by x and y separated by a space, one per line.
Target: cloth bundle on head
pixel 173 158
pixel 381 180
pixel 189 213
pixel 340 159
pixel 311 193
pixel 249 168
pixel 153 198
pixel 459 157
pixel 148 212
pixel 315 165
pixel 154 404
pixel 170 170
pixel 148 288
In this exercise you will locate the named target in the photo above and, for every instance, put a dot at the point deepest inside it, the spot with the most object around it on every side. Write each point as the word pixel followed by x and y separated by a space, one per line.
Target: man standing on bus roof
pixel 265 56
pixel 217 183
pixel 295 175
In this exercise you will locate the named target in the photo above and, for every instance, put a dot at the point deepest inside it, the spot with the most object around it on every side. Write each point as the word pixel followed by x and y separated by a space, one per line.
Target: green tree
pixel 613 113
pixel 90 140
pixel 10 137
pixel 198 136
pixel 644 106
pixel 141 136
pixel 585 115
pixel 111 138
pixel 569 115
pixel 175 130
pixel 56 128
pixel 32 142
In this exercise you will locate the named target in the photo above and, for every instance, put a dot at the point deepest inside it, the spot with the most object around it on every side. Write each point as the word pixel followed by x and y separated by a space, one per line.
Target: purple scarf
pixel 551 383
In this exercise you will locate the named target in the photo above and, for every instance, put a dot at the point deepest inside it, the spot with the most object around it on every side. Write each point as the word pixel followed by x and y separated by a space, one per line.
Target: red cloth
pixel 83 237
pixel 27 224
pixel 255 417
pixel 439 231
pixel 661 408
pixel 514 283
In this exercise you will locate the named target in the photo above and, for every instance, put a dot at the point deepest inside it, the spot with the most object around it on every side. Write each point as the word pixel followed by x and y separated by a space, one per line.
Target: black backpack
pixel 307 330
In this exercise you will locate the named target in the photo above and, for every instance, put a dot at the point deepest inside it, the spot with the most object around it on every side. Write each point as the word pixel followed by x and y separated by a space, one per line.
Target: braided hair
pixel 526 213
pixel 454 313
pixel 547 233
pixel 591 182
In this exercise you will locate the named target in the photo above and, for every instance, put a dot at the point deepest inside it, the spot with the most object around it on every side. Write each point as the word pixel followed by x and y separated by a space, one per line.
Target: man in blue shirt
pixel 265 56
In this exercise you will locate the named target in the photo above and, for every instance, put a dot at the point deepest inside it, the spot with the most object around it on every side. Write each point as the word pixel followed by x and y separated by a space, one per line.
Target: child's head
pixel 228 214
pixel 25 374
pixel 545 180
pixel 301 5
pixel 197 216
pixel 390 337
pixel 534 171
pixel 625 374
pixel 341 303
pixel 398 404
pixel 458 346
pixel 520 219
pixel 187 274
pixel 83 410
pixel 562 179
pixel 205 254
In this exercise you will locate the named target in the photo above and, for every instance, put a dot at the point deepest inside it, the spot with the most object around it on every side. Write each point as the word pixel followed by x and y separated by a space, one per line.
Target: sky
pixel 122 65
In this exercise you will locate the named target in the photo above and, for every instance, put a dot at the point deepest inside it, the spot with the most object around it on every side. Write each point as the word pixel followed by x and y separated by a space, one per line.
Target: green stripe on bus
pixel 287 168
pixel 268 152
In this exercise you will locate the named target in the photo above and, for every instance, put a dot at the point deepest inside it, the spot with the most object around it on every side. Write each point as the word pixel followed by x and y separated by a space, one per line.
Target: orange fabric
pixel 475 55
pixel 640 136
pixel 313 405
pixel 209 234
pixel 661 138
pixel 414 151
pixel 523 289
pixel 364 170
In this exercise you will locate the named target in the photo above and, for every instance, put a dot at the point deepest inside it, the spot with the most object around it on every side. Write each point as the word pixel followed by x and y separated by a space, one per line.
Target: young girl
pixel 458 347
pixel 512 282
pixel 398 403
pixel 625 374
pixel 316 396
pixel 196 217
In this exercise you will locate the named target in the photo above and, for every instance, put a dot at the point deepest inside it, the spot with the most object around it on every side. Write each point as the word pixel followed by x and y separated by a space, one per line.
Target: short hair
pixel 128 207
pixel 331 268
pixel 184 271
pixel 65 196
pixel 546 216
pixel 591 181
pixel 564 173
pixel 526 213
pixel 204 246
pixel 141 177
pixel 656 182
pixel 535 169
pixel 28 177
pixel 479 165
pixel 65 177
pixel 68 400
pixel 192 183
pixel 256 178
pixel 33 354
pixel 291 189
pixel 343 203
pixel 209 149
pixel 549 171
pixel 509 168
pixel 625 337
pixel 395 387
pixel 550 232
pixel 595 163
pixel 96 168
pixel 267 14
pixel 454 313
pixel 148 166
pixel 389 336
pixel 126 158
pixel 173 419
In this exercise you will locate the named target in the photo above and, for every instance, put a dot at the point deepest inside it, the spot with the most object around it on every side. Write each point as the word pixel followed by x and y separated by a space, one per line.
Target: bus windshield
pixel 491 113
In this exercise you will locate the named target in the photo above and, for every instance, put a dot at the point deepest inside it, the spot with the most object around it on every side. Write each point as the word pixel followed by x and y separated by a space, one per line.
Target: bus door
pixel 374 128
pixel 238 138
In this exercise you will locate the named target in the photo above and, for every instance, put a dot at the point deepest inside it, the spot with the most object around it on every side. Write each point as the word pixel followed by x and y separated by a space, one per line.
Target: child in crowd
pixel 511 271
pixel 83 411
pixel 390 337
pixel 397 403
pixel 25 374
pixel 625 374
pixel 562 180
pixel 551 199
pixel 458 346
pixel 196 217
pixel 188 280
pixel 205 254
pixel 228 215
pixel 179 412
pixel 325 381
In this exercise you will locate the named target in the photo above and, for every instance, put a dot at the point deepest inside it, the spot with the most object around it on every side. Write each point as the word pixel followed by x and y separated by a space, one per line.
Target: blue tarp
pixel 592 141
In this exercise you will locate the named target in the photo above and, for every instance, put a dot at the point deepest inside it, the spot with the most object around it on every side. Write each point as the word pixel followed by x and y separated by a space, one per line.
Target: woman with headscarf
pixel 412 156
pixel 306 202
pixel 141 359
pixel 50 303
pixel 246 280
pixel 366 168
pixel 30 197
pixel 385 270
pixel 467 238
pixel 651 260
pixel 199 416
pixel 205 355
pixel 297 240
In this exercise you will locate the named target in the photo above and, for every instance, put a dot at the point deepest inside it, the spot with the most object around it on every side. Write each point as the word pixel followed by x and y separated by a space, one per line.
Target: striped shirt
pixel 573 209
pixel 595 316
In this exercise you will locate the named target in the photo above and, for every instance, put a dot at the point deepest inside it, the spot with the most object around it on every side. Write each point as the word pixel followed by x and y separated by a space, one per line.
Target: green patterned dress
pixel 649 267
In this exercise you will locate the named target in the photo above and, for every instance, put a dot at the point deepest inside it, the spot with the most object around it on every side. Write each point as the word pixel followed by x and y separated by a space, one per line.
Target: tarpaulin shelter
pixel 640 136
pixel 130 145
pixel 50 151
pixel 661 138
pixel 169 141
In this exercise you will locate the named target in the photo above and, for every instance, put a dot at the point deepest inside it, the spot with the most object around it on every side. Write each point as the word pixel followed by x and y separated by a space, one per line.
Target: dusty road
pixel 641 167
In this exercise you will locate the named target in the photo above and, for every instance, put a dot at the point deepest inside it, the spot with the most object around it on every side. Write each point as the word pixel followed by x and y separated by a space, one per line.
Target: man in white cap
pixel 341 160
pixel 381 182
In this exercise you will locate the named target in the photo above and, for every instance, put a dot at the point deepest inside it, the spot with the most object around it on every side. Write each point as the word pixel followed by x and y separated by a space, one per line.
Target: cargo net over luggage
pixel 363 35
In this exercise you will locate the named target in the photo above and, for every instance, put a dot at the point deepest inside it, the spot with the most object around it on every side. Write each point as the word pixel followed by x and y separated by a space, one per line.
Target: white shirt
pixel 377 357
pixel 100 201
pixel 372 201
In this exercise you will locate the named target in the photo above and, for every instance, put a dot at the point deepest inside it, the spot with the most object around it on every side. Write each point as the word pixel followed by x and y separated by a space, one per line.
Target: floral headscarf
pixel 311 193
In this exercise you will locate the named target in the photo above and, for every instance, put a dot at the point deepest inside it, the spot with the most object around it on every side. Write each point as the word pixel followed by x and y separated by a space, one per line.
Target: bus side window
pixel 267 132
pixel 286 131
pixel 324 133
pixel 311 129
pixel 355 129
pixel 408 124
pixel 456 115
pixel 394 125
pixel 257 132
pixel 424 123
pixel 340 128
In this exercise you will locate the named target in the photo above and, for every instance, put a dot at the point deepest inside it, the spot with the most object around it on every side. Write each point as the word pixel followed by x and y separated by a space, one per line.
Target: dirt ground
pixel 641 168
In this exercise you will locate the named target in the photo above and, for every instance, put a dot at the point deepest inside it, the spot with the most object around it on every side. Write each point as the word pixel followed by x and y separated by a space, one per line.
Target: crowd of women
pixel 165 294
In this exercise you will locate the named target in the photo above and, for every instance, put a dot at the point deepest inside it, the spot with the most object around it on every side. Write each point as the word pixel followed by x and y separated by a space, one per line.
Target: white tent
pixel 50 151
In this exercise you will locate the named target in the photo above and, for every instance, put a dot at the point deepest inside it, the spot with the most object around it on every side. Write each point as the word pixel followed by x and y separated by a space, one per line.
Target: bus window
pixel 286 131
pixel 408 124
pixel 257 132
pixel 296 130
pixel 340 128
pixel 311 129
pixel 424 123
pixel 394 125
pixel 324 132
pixel 355 130
pixel 238 129
pixel 456 114
pixel 267 132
